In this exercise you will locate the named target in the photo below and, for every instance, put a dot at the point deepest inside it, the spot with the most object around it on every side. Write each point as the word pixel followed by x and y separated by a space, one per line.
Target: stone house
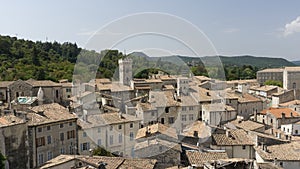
pixel 269 74
pixel 198 159
pixel 52 130
pixel 13 141
pixel 113 131
pixel 291 78
pixel 158 142
pixel 235 142
pixel 284 155
pixel 275 117
pixel 248 105
pixel 217 114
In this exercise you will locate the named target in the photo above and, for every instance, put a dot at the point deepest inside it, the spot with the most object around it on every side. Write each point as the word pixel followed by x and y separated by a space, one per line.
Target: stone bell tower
pixel 125 71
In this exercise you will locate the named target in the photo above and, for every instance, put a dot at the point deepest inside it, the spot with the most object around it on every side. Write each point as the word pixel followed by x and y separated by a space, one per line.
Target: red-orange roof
pixel 277 112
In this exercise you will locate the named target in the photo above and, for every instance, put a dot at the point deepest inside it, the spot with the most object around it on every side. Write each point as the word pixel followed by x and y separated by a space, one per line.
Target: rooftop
pixel 271 70
pixel 247 125
pixel 157 142
pixel 162 99
pixel 48 113
pixel 9 120
pixel 199 158
pixel 156 129
pixel 278 112
pixel 283 152
pixel 293 102
pixel 244 98
pixel 200 127
pixel 43 83
pixel 235 137
pixel 218 107
pixel 292 69
pixel 267 88
pixel 111 162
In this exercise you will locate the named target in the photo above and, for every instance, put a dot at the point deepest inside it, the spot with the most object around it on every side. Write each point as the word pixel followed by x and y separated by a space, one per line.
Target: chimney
pixel 265 148
pixel 196 134
pixel 283 115
pixel 227 133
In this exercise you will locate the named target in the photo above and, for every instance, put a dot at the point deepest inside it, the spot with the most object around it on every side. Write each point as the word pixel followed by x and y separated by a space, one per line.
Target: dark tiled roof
pixel 199 158
pixel 157 129
pixel 236 137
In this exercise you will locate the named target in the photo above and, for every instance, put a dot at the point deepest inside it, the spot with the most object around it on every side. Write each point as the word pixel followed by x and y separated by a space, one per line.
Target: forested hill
pixel 24 59
pixel 259 62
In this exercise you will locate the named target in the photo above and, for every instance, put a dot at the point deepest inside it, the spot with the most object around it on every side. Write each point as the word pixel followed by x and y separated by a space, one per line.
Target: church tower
pixel 125 71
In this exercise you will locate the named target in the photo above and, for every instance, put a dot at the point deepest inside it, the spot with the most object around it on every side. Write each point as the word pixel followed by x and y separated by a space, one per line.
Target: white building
pixel 217 113
pixel 291 129
pixel 113 131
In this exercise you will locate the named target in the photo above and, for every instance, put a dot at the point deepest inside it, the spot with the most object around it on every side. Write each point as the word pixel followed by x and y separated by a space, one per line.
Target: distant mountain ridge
pixel 297 62
pixel 259 62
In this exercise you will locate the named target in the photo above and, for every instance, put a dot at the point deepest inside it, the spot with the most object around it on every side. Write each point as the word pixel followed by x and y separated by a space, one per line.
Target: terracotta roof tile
pixel 277 112
pixel 236 137
pixel 199 158
pixel 157 129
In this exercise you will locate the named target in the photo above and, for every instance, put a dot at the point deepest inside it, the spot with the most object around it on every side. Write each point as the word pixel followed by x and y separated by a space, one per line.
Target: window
pixel 288 130
pixel 160 148
pixel 162 120
pixel 244 147
pixel 110 128
pixel 70 123
pixel 281 164
pixel 61 125
pixel 71 134
pixel 99 142
pixel 49 155
pixel 120 138
pixel 131 125
pixel 167 109
pixel 152 113
pixel 296 131
pixel 191 108
pixel 68 90
pixel 183 108
pixel 40 141
pixel 131 136
pixel 62 150
pixel 48 139
pixel 271 120
pixel 120 126
pixel 99 130
pixel 48 128
pixel 171 120
pixel 283 128
pixel 40 129
pixel 56 93
pixel 111 139
pixel 294 85
pixel 183 117
pixel 62 137
pixel 191 117
pixel 84 134
pixel 41 159
pixel 85 146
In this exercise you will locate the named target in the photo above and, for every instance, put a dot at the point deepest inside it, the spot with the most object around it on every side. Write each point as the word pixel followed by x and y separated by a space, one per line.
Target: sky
pixel 231 27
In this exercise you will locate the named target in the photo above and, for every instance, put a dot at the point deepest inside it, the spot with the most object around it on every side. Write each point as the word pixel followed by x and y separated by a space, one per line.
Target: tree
pixel 2 161
pixel 273 82
pixel 100 151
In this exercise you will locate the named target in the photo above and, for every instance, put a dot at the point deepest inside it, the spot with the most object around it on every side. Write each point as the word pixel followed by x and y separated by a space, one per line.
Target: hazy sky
pixel 234 27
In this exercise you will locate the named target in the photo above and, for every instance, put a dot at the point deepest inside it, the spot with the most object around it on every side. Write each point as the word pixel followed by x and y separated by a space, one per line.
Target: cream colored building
pixel 217 114
pixel 113 131
pixel 291 78
pixel 269 74
pixel 52 130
